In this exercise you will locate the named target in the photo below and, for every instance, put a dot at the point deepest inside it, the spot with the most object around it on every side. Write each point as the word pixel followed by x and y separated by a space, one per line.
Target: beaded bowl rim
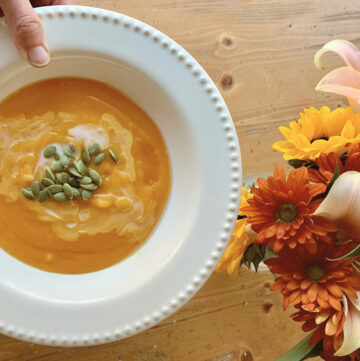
pixel 186 61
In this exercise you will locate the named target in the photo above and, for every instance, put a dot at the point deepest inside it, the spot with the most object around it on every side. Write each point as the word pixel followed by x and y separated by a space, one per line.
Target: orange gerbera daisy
pixel 280 211
pixel 312 281
pixel 329 329
pixel 327 164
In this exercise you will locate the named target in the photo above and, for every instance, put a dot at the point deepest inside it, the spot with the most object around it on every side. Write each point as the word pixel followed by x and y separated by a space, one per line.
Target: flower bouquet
pixel 305 226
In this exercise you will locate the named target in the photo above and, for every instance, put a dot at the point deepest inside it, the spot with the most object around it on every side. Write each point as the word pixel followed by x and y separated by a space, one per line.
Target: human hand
pixel 26 28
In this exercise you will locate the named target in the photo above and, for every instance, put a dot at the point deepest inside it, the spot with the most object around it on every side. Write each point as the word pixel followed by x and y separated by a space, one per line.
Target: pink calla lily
pixel 342 205
pixel 346 80
pixel 351 326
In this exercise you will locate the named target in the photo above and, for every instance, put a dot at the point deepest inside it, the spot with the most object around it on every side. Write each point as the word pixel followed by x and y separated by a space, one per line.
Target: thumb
pixel 27 31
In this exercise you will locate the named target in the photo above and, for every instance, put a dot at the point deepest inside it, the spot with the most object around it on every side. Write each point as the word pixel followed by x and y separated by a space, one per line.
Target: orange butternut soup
pixel 77 235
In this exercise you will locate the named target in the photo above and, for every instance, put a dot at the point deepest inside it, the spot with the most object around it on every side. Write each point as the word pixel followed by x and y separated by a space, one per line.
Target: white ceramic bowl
pixel 165 81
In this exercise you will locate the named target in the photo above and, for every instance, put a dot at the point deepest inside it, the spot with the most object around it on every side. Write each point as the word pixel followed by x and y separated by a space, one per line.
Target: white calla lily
pixel 351 326
pixel 342 205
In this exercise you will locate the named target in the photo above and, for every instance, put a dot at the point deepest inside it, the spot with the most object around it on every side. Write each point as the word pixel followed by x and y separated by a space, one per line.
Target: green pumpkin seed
pixel 75 172
pixel 64 160
pixel 73 182
pixel 80 166
pixel 68 191
pixel 28 193
pixel 76 192
pixel 49 174
pixel 95 176
pixel 99 158
pixel 59 178
pixel 35 187
pixel 57 156
pixel 85 195
pixel 43 195
pixel 72 147
pixel 88 187
pixel 86 155
pixel 113 155
pixel 85 180
pixel 56 188
pixel 69 152
pixel 47 182
pixel 57 166
pixel 49 151
pixel 94 149
pixel 61 197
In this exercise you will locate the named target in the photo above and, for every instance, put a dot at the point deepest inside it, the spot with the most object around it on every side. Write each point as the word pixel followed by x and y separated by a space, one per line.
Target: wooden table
pixel 260 55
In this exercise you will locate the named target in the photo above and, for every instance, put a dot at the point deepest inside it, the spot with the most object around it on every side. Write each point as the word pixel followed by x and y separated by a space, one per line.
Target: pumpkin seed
pixel 35 187
pixel 77 193
pixel 64 160
pixel 56 188
pixel 43 195
pixel 95 176
pixel 75 172
pixel 85 180
pixel 68 191
pixel 57 156
pixel 94 149
pixel 113 155
pixel 28 193
pixel 72 147
pixel 47 182
pixel 73 182
pixel 61 197
pixel 57 166
pixel 49 151
pixel 49 174
pixel 65 177
pixel 88 187
pixel 69 152
pixel 99 158
pixel 80 166
pixel 86 155
pixel 85 195
pixel 59 178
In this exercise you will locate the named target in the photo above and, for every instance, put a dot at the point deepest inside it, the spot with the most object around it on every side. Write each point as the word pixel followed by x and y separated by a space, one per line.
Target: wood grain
pixel 260 55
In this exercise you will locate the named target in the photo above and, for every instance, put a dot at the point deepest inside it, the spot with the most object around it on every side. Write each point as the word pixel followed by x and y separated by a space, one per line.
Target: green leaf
pixel 301 351
pixel 254 254
pixel 356 266
pixel 354 253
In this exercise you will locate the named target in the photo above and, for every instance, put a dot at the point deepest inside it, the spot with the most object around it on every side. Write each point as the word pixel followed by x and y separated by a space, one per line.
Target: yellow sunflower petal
pixel 319 131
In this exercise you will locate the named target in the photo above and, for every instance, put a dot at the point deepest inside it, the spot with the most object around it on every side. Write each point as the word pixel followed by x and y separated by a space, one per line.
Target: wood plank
pixel 260 55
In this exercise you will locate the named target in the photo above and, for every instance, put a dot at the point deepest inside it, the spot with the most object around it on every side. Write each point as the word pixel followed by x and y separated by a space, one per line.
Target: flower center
pixel 287 213
pixel 314 272
pixel 320 138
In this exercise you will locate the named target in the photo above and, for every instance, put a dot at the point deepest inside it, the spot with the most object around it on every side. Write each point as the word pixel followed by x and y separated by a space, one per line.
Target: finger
pixel 27 31
pixel 37 3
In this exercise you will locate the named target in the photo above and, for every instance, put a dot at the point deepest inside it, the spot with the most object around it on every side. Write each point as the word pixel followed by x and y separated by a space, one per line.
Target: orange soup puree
pixel 79 236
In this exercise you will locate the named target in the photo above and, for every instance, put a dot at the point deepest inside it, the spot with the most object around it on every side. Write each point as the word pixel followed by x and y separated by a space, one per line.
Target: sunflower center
pixel 320 138
pixel 287 213
pixel 314 272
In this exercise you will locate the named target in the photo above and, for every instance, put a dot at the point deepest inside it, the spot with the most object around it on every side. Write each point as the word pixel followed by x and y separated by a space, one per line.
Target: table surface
pixel 260 55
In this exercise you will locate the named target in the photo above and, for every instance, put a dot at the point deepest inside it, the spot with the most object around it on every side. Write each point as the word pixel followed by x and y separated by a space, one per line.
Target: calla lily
pixel 351 326
pixel 342 205
pixel 346 80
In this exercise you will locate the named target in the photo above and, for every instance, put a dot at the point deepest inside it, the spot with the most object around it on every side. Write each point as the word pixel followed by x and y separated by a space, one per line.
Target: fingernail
pixel 38 56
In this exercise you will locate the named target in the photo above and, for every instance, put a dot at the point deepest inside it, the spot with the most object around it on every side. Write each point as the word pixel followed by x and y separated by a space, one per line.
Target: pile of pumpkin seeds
pixel 69 176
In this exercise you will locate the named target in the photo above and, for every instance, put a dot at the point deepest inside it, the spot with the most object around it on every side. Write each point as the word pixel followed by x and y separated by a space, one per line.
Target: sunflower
pixel 239 242
pixel 280 211
pixel 312 281
pixel 319 132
